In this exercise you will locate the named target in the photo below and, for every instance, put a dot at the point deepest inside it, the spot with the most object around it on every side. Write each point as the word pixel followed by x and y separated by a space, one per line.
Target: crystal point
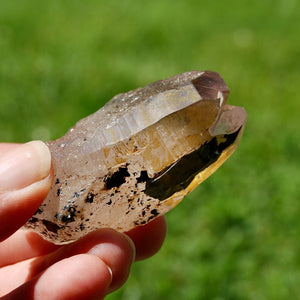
pixel 138 156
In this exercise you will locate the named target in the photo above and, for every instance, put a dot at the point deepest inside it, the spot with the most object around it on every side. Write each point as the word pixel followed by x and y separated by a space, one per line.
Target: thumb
pixel 25 179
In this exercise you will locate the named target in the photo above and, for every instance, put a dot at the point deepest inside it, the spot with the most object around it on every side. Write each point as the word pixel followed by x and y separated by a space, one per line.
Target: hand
pixel 32 268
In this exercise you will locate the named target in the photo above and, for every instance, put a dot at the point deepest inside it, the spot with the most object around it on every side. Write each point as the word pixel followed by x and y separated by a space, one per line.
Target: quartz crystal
pixel 138 156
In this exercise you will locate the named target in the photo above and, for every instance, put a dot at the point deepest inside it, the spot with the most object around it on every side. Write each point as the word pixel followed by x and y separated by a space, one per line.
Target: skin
pixel 90 268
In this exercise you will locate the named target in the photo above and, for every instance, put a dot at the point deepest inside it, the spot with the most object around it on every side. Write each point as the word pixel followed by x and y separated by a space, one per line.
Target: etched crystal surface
pixel 138 156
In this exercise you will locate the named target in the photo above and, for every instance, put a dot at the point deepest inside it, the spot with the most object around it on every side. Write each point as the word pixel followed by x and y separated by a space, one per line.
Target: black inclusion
pixel 180 174
pixel 51 226
pixel 117 178
pixel 143 177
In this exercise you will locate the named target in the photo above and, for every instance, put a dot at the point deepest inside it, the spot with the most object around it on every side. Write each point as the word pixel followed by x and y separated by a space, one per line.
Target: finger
pixel 23 245
pixel 5 147
pixel 78 277
pixel 149 238
pixel 25 180
pixel 115 249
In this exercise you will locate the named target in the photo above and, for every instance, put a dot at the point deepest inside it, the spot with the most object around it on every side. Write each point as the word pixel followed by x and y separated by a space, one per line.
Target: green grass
pixel 237 235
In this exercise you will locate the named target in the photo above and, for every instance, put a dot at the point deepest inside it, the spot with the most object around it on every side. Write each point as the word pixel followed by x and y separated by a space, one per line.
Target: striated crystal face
pixel 138 156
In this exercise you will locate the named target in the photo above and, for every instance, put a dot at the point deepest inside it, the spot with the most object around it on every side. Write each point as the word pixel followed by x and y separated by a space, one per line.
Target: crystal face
pixel 138 156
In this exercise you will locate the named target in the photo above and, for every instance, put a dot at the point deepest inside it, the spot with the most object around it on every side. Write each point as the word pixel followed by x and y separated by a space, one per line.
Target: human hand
pixel 32 268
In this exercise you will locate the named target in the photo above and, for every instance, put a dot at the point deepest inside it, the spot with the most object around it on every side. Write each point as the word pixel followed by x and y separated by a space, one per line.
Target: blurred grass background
pixel 237 235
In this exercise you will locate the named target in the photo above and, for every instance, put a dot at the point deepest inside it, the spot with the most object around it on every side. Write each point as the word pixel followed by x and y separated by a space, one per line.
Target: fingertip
pixel 17 206
pixel 149 238
pixel 112 247
pixel 25 179
pixel 43 156
pixel 118 252
pixel 24 165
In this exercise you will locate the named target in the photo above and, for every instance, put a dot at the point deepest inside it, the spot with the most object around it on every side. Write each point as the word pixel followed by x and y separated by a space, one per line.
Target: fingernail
pixel 110 272
pixel 130 241
pixel 26 164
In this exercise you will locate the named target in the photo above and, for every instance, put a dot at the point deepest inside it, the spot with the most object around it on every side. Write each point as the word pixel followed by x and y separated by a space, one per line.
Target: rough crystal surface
pixel 138 156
